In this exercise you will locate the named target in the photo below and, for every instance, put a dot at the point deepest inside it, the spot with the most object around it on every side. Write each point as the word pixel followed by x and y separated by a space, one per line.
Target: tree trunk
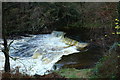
pixel 4 37
pixel 6 53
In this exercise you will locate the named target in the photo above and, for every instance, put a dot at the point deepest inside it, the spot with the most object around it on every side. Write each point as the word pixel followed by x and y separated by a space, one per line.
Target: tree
pixel 5 44
pixel 6 51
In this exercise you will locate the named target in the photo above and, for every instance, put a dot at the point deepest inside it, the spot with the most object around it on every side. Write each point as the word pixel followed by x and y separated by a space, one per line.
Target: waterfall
pixel 39 53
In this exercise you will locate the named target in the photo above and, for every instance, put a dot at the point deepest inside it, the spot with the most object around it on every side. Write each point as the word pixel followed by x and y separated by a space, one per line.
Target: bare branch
pixel 10 44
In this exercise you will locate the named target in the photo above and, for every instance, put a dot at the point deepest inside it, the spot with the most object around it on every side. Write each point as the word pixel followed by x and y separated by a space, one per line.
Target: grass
pixel 74 73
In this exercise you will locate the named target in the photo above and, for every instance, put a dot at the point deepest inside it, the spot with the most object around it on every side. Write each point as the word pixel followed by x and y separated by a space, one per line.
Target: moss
pixel 74 73
pixel 106 67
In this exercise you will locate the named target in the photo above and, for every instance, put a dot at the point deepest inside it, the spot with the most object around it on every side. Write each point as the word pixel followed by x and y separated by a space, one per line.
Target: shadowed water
pixel 82 60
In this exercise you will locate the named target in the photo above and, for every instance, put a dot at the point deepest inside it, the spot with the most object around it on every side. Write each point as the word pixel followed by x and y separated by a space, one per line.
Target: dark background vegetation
pixel 90 22
pixel 74 18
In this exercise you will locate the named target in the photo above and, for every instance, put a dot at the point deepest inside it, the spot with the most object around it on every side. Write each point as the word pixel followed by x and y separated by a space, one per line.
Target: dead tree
pixel 5 44
pixel 6 51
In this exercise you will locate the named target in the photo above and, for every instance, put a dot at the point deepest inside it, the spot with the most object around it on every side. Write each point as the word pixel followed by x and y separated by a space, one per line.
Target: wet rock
pixel 36 55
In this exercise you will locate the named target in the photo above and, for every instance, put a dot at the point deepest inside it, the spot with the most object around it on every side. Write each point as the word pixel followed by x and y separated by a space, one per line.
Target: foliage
pixel 31 17
pixel 108 66
pixel 34 17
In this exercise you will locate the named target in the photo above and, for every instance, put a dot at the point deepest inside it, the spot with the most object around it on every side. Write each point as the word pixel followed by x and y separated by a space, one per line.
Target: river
pixel 37 54
pixel 43 53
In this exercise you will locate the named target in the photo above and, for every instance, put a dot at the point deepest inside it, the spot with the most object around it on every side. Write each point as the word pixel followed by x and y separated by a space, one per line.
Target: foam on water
pixel 50 50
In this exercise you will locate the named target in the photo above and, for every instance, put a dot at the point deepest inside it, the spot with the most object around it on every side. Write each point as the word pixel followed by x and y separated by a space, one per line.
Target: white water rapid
pixel 37 54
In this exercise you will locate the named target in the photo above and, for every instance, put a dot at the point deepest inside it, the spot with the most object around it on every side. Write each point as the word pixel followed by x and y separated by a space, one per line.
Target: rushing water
pixel 37 54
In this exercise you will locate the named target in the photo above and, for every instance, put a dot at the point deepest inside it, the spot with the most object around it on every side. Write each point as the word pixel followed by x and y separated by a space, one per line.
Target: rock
pixel 46 60
pixel 36 55
pixel 72 42
pixel 81 45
